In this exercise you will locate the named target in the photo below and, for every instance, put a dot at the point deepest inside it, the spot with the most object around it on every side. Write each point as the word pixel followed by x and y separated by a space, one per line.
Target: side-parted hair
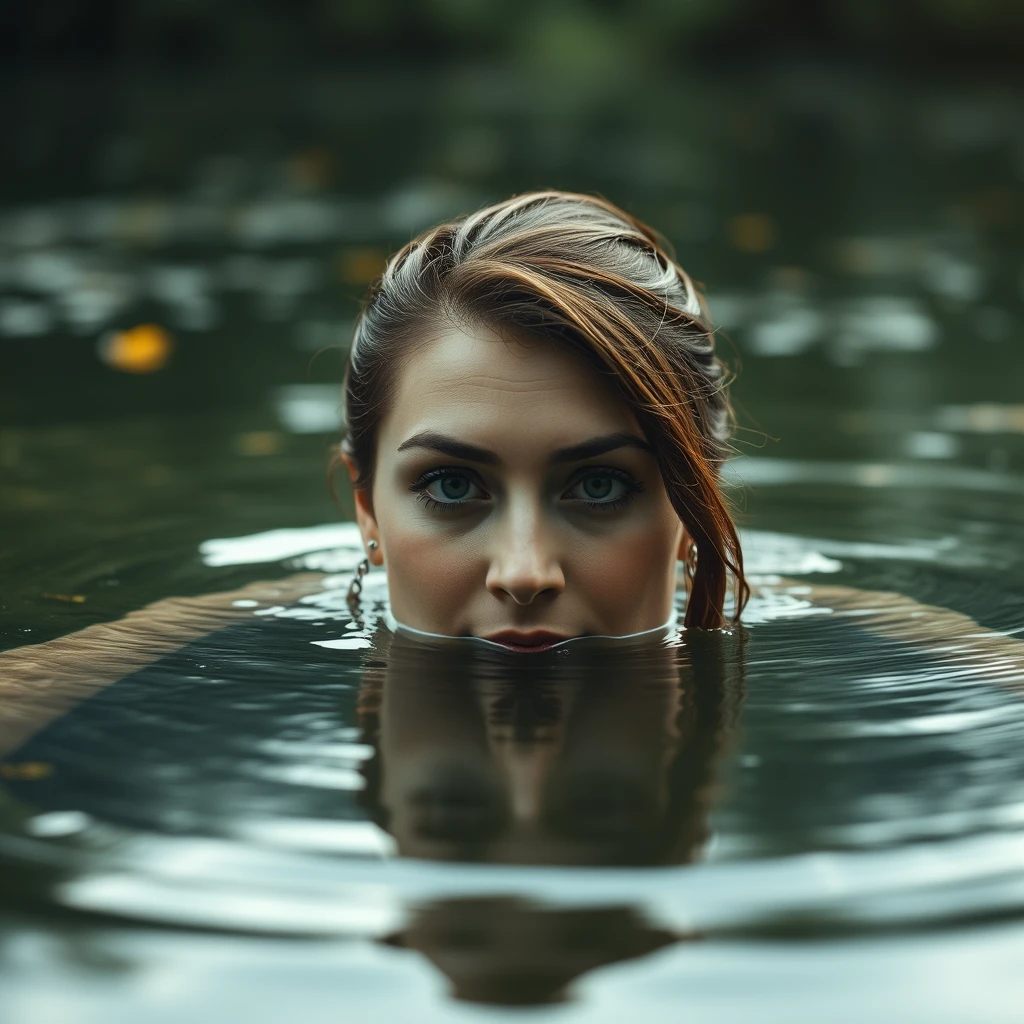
pixel 579 271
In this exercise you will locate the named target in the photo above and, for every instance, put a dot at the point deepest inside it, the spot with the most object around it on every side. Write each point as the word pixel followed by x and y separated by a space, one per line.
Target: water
pixel 819 814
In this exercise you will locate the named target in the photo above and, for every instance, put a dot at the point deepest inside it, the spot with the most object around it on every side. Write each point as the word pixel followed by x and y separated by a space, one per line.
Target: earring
pixel 355 588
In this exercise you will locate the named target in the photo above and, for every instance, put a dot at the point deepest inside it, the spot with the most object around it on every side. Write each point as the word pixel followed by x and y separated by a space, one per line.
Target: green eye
pixel 448 489
pixel 454 488
pixel 598 488
pixel 604 489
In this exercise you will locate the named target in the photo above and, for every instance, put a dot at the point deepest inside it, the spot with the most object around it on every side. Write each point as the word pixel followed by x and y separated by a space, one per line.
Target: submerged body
pixel 536 420
pixel 604 757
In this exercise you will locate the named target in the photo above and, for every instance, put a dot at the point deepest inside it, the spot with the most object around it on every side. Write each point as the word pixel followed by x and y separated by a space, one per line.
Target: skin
pixel 527 547
pixel 40 682
pixel 531 556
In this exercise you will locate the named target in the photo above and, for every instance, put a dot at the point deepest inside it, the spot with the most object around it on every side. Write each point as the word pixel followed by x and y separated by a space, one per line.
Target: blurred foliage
pixel 611 34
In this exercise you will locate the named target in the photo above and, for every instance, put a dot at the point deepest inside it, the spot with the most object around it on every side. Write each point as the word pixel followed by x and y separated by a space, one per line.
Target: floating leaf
pixel 752 232
pixel 142 349
pixel 26 771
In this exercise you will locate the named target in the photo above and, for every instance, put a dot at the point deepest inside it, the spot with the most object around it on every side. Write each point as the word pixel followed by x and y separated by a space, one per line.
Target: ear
pixel 364 513
pixel 685 543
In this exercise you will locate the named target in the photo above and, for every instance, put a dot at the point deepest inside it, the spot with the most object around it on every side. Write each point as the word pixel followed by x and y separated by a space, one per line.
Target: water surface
pixel 818 814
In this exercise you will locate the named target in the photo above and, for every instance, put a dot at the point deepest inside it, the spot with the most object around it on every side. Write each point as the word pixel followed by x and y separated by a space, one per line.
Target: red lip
pixel 536 640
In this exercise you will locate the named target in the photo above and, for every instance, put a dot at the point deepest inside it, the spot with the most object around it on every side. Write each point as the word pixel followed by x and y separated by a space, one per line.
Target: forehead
pixel 473 381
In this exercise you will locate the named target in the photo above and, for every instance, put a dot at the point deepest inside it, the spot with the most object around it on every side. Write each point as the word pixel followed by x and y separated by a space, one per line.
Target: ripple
pixel 765 472
pixel 860 767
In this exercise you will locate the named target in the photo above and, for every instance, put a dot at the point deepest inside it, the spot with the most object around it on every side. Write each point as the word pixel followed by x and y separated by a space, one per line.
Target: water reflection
pixel 859 238
pixel 599 758
pixel 514 953
pixel 587 760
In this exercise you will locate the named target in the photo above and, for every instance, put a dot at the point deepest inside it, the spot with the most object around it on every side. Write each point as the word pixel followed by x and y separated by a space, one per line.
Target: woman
pixel 535 422
pixel 536 418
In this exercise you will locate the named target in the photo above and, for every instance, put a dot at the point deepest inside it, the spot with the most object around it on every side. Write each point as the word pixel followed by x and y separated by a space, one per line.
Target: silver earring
pixel 355 588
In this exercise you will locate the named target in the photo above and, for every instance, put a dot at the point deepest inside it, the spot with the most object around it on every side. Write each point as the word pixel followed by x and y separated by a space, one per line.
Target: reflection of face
pixel 603 757
pixel 515 492
pixel 513 953
pixel 571 770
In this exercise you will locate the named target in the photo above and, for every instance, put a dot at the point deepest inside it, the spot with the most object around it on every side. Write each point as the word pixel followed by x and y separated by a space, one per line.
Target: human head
pixel 561 276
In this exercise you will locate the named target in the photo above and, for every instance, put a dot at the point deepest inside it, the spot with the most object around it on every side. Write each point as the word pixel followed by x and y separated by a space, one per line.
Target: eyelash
pixel 633 488
pixel 419 487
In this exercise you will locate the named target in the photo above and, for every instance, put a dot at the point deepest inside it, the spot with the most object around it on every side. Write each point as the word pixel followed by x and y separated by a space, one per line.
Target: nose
pixel 525 564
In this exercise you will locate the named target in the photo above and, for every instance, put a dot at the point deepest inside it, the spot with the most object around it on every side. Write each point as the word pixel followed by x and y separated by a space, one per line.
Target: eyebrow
pixel 589 449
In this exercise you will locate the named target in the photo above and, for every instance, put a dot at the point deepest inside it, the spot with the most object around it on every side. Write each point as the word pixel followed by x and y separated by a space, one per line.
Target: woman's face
pixel 515 498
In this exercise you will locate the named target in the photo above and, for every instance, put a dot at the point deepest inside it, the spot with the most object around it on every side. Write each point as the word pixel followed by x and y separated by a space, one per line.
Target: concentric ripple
pixel 850 758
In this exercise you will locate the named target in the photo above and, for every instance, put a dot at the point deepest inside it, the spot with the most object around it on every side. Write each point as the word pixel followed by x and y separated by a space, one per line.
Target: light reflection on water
pixel 834 771
pixel 834 768
pixel 808 819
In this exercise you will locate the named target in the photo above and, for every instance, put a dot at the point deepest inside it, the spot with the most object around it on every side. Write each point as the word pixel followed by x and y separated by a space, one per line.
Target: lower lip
pixel 547 645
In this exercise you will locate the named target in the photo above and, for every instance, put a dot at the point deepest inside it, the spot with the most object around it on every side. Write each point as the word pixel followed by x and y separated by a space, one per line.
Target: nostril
pixel 522 578
pixel 522 596
pixel 527 594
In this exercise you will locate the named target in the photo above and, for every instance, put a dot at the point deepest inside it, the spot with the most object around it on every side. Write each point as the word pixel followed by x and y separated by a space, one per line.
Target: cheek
pixel 430 581
pixel 630 579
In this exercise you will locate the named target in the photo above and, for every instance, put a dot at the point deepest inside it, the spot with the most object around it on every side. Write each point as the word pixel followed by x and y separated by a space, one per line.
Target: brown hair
pixel 578 270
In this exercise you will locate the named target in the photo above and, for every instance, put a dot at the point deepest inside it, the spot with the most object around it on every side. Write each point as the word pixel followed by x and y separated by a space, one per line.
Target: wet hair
pixel 579 271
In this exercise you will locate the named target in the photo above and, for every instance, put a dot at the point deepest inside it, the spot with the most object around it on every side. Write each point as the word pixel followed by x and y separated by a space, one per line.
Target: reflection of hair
pixel 710 672
pixel 715 671
pixel 512 952
pixel 580 271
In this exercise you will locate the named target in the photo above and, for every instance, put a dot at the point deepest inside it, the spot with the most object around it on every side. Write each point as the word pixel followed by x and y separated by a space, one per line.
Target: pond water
pixel 279 806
